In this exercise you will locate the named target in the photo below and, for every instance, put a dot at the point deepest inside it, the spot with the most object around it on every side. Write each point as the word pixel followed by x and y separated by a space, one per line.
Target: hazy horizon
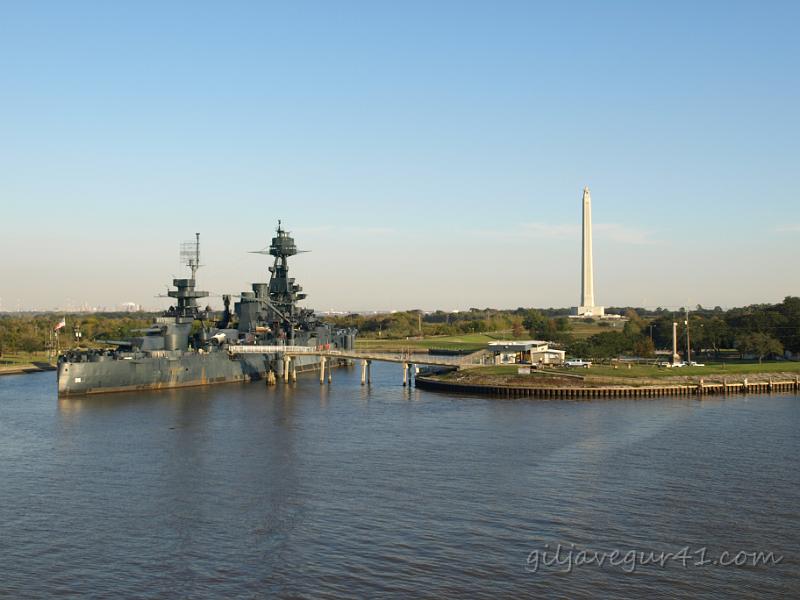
pixel 429 156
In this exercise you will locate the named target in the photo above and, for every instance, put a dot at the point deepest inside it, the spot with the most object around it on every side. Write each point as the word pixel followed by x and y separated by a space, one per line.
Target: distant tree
pixel 517 330
pixel 632 328
pixel 533 320
pixel 760 344
pixel 710 329
pixel 609 344
pixel 579 349
pixel 790 333
pixel 633 316
pixel 662 331
pixel 644 347
pixel 716 334
pixel 563 324
pixel 29 343
pixel 551 329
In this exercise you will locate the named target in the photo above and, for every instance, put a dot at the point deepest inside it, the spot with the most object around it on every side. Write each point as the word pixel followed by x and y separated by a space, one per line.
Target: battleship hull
pixel 186 370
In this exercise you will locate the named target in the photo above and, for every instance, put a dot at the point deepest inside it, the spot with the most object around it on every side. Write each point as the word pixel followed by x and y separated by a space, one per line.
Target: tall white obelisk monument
pixel 587 307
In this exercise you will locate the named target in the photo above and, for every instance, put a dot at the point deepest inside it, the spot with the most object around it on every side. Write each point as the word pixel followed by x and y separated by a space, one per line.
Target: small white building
pixel 533 352
pixel 548 357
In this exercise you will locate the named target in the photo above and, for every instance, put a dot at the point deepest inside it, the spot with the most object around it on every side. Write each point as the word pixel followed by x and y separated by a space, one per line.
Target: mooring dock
pixel 585 393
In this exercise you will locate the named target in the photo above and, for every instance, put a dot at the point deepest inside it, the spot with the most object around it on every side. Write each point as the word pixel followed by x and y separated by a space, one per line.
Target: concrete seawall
pixel 552 392
pixel 23 369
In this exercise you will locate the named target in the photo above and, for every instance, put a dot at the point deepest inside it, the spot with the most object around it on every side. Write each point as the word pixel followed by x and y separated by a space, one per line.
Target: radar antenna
pixel 190 254
pixel 186 294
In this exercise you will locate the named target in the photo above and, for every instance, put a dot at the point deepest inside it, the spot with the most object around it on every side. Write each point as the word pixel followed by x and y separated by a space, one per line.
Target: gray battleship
pixel 189 346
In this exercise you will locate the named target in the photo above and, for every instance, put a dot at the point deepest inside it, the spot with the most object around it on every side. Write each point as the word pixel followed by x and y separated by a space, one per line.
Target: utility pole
pixel 688 345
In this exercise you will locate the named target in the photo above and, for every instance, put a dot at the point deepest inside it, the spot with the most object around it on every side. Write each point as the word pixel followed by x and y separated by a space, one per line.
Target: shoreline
pixel 608 391
pixel 26 369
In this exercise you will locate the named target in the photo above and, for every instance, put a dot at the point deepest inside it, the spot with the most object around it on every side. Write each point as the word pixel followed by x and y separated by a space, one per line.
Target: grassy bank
pixel 16 362
pixel 23 358
pixel 582 330
pixel 470 341
pixel 605 375
pixel 653 372
pixel 474 341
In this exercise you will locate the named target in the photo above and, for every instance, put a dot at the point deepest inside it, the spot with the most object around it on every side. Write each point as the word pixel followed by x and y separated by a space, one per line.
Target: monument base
pixel 590 311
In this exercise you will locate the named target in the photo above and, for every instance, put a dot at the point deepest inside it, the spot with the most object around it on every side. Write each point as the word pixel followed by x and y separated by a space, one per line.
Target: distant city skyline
pixel 430 156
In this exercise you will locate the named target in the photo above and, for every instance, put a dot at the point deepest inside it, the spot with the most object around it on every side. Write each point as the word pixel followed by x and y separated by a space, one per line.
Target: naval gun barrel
pixel 115 342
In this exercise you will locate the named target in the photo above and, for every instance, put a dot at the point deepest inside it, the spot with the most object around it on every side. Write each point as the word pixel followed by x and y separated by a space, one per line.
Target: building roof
pixel 516 345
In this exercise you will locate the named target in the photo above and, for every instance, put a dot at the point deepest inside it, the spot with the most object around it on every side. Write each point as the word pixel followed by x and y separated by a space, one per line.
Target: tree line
pixel 759 329
pixel 33 332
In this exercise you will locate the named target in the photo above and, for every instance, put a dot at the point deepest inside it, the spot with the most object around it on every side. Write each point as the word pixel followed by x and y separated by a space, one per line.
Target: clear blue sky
pixel 430 154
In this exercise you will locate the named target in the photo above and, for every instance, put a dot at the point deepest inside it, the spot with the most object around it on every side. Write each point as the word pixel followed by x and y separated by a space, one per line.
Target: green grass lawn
pixel 469 341
pixel 15 360
pixel 605 375
pixel 581 330
pixel 475 341
pixel 496 370
pixel 710 369
pixel 24 358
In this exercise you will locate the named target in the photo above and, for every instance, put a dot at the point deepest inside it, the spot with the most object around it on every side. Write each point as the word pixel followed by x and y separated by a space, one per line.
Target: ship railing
pixel 256 349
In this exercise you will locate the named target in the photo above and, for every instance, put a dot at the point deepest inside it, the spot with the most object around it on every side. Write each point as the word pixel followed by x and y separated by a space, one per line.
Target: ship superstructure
pixel 187 345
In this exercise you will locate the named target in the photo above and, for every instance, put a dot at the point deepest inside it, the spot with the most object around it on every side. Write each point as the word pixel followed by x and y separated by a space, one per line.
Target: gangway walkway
pixel 405 358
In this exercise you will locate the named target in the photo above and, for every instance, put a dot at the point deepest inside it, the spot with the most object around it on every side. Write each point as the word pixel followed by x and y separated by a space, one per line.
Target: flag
pixel 60 324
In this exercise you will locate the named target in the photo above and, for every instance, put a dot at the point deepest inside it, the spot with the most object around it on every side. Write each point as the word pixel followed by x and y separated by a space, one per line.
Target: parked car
pixel 578 362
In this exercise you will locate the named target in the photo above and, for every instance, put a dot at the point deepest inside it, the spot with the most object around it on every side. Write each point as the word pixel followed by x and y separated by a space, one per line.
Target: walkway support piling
pixel 364 372
pixel 322 370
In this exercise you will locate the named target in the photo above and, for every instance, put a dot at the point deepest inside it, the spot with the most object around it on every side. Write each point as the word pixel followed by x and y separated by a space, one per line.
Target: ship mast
pixel 190 253
pixel 185 293
pixel 282 293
